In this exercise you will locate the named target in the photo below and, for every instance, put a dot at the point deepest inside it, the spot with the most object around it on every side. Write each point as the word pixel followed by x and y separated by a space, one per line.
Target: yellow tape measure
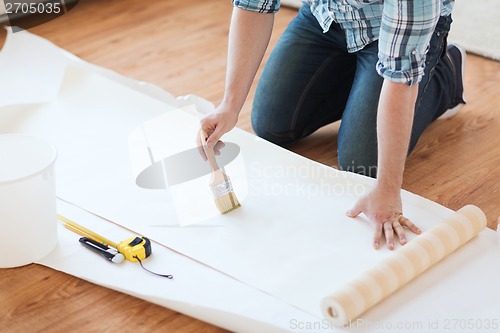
pixel 135 248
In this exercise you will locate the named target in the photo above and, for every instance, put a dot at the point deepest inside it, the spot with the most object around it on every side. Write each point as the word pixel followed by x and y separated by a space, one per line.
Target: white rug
pixel 476 27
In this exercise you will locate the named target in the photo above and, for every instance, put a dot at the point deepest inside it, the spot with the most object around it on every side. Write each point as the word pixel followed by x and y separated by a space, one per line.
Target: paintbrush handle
pixel 208 152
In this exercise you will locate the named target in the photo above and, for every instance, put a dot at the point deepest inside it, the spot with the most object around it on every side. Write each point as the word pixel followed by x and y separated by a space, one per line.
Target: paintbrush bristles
pixel 227 203
pixel 224 196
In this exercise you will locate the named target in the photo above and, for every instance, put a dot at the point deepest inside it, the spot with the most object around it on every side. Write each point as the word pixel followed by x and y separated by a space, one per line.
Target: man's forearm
pixel 248 39
pixel 394 124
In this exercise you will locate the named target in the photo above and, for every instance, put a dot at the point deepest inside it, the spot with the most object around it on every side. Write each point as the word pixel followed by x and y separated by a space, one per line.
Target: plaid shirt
pixel 403 28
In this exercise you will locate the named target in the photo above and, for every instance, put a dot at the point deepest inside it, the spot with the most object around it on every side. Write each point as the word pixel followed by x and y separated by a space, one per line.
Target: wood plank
pixel 457 161
pixel 37 299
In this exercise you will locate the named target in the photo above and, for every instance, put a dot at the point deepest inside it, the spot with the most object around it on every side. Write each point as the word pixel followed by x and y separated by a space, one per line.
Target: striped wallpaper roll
pixel 402 266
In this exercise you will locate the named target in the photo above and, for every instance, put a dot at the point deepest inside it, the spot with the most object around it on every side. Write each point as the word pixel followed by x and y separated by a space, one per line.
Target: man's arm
pixel 407 27
pixel 394 123
pixel 249 36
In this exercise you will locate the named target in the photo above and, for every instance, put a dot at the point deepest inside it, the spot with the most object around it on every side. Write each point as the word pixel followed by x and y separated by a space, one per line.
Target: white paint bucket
pixel 28 222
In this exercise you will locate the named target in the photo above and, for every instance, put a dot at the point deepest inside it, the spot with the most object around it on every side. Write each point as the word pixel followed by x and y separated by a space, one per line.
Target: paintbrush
pixel 224 196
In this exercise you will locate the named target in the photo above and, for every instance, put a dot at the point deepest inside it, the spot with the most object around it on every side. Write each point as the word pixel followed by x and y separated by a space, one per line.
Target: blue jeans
pixel 310 80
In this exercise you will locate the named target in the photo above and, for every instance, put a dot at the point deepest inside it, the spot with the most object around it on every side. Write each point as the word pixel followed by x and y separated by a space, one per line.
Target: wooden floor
pixel 180 45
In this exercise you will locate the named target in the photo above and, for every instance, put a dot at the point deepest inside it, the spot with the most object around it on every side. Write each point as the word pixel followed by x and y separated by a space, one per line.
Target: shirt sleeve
pixel 259 6
pixel 405 33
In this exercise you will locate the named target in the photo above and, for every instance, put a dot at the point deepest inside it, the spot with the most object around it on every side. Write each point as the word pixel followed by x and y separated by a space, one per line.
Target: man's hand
pixel 218 123
pixel 215 125
pixel 384 211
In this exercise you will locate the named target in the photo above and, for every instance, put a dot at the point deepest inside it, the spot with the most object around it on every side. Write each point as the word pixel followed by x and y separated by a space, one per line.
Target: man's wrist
pixel 232 105
pixel 388 187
